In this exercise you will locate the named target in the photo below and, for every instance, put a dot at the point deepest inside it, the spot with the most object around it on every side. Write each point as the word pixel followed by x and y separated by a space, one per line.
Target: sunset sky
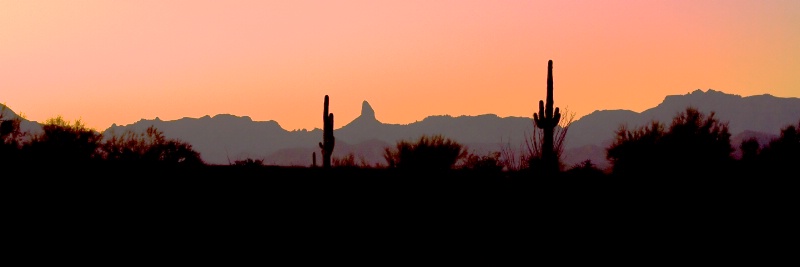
pixel 107 62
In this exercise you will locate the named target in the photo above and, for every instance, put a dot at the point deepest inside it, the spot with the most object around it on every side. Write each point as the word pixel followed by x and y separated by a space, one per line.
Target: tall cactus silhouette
pixel 547 119
pixel 328 140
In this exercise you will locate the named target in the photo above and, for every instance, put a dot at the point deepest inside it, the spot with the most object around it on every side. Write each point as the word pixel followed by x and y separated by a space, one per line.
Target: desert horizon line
pixel 566 109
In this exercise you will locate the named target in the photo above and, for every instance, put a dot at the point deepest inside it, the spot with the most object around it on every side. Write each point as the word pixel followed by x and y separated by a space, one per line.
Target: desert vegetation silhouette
pixel 694 144
pixel 428 153
pixel 328 140
pixel 71 144
pixel 542 151
pixel 547 119
pixel 777 158
pixel 11 139
pixel 151 147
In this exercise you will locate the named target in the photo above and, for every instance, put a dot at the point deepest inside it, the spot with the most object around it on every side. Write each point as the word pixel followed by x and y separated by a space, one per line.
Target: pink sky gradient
pixel 107 62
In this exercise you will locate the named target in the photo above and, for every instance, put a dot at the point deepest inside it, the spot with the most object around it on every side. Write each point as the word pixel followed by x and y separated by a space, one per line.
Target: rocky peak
pixel 366 111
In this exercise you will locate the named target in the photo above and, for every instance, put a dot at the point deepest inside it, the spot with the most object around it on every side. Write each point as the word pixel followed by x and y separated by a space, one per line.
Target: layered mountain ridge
pixel 224 138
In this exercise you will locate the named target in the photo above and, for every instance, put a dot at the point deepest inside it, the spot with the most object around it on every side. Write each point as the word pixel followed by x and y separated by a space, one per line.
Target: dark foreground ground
pixel 379 216
pixel 261 186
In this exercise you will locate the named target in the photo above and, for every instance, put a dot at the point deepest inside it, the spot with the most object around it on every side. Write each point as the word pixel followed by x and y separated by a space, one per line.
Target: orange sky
pixel 107 62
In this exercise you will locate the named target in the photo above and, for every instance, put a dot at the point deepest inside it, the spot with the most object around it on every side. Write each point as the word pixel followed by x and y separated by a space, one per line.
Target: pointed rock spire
pixel 366 111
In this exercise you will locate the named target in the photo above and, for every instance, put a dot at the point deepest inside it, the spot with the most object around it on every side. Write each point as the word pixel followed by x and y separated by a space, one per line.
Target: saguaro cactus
pixel 547 119
pixel 313 159
pixel 328 140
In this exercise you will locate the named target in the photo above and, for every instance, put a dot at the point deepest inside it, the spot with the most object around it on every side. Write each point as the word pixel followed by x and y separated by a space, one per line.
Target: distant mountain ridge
pixel 223 138
pixel 758 113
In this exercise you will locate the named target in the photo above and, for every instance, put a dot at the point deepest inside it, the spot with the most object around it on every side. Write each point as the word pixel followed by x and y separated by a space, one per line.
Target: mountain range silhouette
pixel 224 138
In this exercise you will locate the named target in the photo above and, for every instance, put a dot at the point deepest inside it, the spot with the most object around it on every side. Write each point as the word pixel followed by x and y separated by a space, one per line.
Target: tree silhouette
pixel 781 156
pixel 750 161
pixel 750 149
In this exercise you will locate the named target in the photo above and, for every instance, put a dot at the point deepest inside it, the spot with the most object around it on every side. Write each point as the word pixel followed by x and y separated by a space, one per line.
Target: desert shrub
pixel 531 157
pixel 486 163
pixel 694 144
pixel 750 149
pixel 62 142
pixel 9 131
pixel 11 138
pixel 636 151
pixel 349 161
pixel 512 159
pixel 434 152
pixel 249 162
pixel 585 169
pixel 695 138
pixel 148 147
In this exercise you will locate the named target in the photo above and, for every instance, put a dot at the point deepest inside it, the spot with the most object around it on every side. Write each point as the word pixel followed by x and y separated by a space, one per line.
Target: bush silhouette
pixel 750 149
pixel 249 162
pixel 486 163
pixel 427 153
pixel 695 143
pixel 62 142
pixel 149 147
pixel 585 169
pixel 636 150
pixel 11 138
pixel 349 161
